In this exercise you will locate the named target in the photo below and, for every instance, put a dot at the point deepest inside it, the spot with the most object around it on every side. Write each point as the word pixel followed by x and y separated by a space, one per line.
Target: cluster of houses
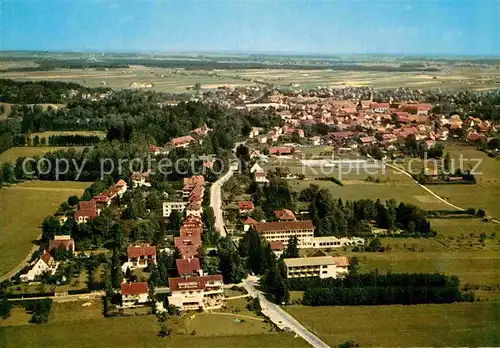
pixel 192 197
pixel 194 137
pixel 279 232
pixel 358 123
pixel 88 210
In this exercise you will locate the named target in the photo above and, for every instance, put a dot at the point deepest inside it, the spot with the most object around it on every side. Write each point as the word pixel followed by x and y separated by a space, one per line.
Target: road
pixel 279 317
pixel 216 199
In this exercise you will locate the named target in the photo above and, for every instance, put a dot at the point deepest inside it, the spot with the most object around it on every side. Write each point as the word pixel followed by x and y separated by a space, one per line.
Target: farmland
pixel 460 324
pixel 15 152
pixel 27 205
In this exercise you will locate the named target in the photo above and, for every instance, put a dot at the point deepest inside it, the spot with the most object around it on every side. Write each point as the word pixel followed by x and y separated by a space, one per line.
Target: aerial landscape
pixel 249 174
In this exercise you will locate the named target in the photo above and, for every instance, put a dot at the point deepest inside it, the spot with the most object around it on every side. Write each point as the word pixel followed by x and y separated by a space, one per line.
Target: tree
pixel 231 265
pixel 197 86
pixel 73 200
pixel 481 213
pixel 5 307
pixel 50 227
pixel 292 250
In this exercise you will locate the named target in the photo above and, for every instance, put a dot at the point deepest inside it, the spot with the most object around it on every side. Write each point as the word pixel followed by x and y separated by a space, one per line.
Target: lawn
pixel 228 324
pixel 47 134
pixel 474 267
pixel 459 324
pixel 15 152
pixel 134 331
pixel 22 210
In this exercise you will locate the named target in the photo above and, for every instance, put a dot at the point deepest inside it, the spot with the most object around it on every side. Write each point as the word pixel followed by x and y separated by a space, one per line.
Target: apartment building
pixel 319 267
pixel 194 293
pixel 169 207
pixel 281 231
pixel 140 256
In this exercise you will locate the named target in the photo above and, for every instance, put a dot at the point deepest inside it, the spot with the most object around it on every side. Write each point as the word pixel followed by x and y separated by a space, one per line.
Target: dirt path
pixel 233 315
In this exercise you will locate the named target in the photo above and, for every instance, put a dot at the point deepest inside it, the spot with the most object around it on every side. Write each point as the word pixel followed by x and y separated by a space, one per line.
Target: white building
pixel 319 267
pixel 45 263
pixel 134 294
pixel 194 293
pixel 334 242
pixel 169 207
pixel 281 231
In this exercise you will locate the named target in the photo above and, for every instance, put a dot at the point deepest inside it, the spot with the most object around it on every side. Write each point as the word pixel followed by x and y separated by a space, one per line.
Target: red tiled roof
pixel 137 251
pixel 65 244
pixel 186 231
pixel 365 140
pixel 248 221
pixel 341 261
pixel 379 105
pixel 134 288
pixel 281 150
pixel 284 214
pixel 187 241
pixel 245 205
pixel 181 140
pixel 46 257
pixel 277 246
pixel 187 266
pixel 188 251
pixel 262 227
pixel 192 283
pixel 120 183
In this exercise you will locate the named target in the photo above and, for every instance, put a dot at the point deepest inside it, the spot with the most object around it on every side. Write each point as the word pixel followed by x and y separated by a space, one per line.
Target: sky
pixel 323 27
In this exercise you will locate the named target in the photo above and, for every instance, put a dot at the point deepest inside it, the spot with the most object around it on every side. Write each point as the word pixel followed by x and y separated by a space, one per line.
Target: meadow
pixel 48 134
pixel 15 152
pixel 458 324
pixel 22 209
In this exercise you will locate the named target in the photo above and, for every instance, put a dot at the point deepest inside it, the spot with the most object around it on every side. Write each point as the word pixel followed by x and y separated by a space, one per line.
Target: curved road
pixel 216 199
pixel 279 317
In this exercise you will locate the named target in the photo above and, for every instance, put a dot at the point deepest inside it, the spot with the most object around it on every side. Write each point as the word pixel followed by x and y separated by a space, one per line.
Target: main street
pixel 216 199
pixel 280 317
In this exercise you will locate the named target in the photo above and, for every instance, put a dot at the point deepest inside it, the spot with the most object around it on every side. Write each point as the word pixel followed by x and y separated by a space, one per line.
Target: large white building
pixel 319 267
pixel 169 207
pixel 194 293
pixel 282 231
pixel 334 242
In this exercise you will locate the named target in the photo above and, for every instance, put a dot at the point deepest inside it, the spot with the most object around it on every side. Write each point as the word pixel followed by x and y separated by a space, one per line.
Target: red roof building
pixel 188 267
pixel 134 288
pixel 181 141
pixel 140 256
pixel 192 283
pixel 285 215
pixel 245 206
pixel 62 242
pixel 87 210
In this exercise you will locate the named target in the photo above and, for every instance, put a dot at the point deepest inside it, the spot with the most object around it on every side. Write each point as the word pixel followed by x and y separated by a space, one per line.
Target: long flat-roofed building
pixel 194 293
pixel 281 231
pixel 320 267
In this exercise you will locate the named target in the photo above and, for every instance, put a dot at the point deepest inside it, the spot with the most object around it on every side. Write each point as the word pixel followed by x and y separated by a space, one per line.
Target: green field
pixel 22 210
pixel 15 152
pixel 460 324
pixel 47 134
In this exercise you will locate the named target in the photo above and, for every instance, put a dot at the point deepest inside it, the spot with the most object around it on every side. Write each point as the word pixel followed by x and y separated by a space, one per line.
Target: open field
pixel 22 210
pixel 134 331
pixel 474 267
pixel 459 324
pixel 15 152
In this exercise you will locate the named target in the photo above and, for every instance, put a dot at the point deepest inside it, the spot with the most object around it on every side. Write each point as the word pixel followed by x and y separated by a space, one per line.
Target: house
pixel 194 208
pixel 201 131
pixel 197 293
pixel 283 151
pixel 261 177
pixel 189 267
pixel 183 141
pixel 139 180
pixel 255 132
pixel 140 256
pixel 87 210
pixel 62 242
pixel 262 139
pixel 44 264
pixel 316 140
pixel 256 168
pixel 122 187
pixel 155 150
pixel 134 294
pixel 191 183
pixel 284 215
pixel 418 109
pixel 245 207
pixel 277 248
pixel 476 137
pixel 169 207
pixel 281 231
pixel 367 140
pixel 319 266
pixel 380 107
pixel 247 223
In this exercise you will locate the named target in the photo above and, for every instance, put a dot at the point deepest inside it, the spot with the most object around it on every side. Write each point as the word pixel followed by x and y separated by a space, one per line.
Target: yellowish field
pixel 15 152
pixel 459 324
pixel 22 209
pixel 47 134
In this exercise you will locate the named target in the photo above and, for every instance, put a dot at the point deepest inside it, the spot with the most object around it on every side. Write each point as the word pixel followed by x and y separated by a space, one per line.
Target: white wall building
pixel 194 293
pixel 282 231
pixel 334 242
pixel 320 267
pixel 169 207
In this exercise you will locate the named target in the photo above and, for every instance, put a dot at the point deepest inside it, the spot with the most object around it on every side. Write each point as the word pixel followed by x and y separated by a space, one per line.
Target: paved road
pixel 279 317
pixel 216 200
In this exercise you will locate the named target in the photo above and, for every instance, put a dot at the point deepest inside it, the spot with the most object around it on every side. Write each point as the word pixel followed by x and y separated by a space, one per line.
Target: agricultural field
pixel 27 204
pixel 83 319
pixel 458 324
pixel 15 152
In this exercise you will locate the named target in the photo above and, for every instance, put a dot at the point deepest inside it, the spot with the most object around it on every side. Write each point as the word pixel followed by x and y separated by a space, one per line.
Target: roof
pixel 187 266
pixel 192 283
pixel 134 288
pixel 141 250
pixel 280 150
pixel 379 105
pixel 276 245
pixel 187 240
pixel 120 183
pixel 248 221
pixel 263 227
pixel 182 140
pixel 46 257
pixel 341 261
pixel 310 261
pixel 58 243
pixel 245 205
pixel 284 214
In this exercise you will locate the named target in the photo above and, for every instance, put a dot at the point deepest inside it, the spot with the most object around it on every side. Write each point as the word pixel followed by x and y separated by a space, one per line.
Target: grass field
pixel 47 134
pixel 15 152
pixel 22 210
pixel 473 267
pixel 460 324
